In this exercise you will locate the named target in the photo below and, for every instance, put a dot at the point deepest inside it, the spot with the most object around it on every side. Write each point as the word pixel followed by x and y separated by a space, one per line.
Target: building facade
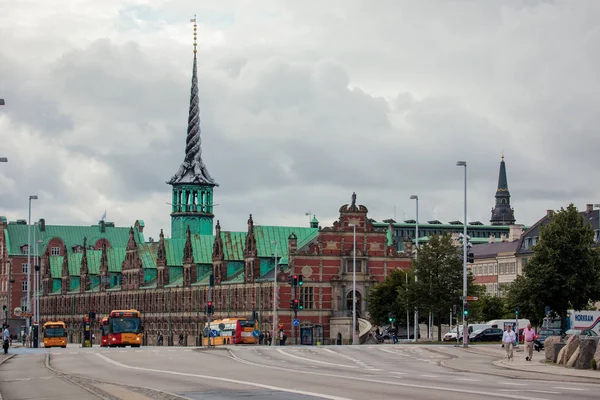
pixel 103 267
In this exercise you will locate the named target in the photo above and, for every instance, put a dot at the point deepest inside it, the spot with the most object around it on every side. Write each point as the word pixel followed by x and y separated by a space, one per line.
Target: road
pixel 295 373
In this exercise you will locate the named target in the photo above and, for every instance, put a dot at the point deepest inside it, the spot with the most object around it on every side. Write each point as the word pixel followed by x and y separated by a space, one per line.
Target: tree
pixel 564 271
pixel 490 307
pixel 384 298
pixel 439 271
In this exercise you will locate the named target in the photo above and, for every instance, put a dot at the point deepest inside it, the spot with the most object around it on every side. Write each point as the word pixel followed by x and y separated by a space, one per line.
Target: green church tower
pixel 192 202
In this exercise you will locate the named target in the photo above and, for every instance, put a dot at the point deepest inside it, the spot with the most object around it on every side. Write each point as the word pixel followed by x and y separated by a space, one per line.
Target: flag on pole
pixel 103 216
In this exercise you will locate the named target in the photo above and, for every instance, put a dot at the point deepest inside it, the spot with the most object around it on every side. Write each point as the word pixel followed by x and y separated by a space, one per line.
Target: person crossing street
pixel 529 338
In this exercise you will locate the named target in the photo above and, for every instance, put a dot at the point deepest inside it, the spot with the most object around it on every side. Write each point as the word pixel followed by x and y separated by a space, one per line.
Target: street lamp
pixel 416 316
pixel 465 242
pixel 32 197
pixel 354 339
pixel 274 338
pixel 38 283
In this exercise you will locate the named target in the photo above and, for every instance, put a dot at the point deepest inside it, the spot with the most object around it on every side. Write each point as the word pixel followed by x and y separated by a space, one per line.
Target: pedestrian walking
pixel 529 337
pixel 5 339
pixel 508 341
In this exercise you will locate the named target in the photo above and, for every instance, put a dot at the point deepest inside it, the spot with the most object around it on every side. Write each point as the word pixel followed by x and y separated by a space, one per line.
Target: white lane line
pixel 394 383
pixel 512 383
pixel 374 369
pixel 528 390
pixel 429 376
pixel 315 361
pixel 568 388
pixel 357 361
pixel 468 380
pixel 399 373
pixel 235 381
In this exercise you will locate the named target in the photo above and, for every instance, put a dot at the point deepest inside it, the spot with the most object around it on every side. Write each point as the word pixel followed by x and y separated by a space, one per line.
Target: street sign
pixel 256 333
pixel 472 298
pixel 213 333
pixel 296 322
pixel 548 311
pixel 26 315
pixel 17 311
pixel 222 326
pixel 206 331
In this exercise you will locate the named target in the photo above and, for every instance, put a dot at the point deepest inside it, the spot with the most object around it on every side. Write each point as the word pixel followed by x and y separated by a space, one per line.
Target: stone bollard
pixel 587 348
pixel 550 349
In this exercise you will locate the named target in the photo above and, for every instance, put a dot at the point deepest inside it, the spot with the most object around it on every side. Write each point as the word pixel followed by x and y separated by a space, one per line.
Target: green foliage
pixel 384 298
pixel 439 273
pixel 489 307
pixel 593 364
pixel 564 272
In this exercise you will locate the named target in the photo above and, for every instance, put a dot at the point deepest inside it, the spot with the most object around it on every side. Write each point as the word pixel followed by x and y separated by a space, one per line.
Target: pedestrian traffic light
pixel 466 311
pixel 517 310
pixel 300 280
pixel 300 305
pixel 295 280
pixel 391 318
pixel 470 257
pixel 454 309
pixel 209 307
pixel 92 314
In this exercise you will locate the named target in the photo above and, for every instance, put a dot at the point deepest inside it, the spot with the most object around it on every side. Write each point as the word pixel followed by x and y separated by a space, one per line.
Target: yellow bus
pixel 55 334
pixel 231 331
pixel 123 328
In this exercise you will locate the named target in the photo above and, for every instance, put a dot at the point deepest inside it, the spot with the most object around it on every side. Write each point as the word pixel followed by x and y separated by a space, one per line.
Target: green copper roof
pixel 71 236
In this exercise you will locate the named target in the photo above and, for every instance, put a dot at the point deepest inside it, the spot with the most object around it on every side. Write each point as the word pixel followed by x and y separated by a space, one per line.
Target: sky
pixel 301 104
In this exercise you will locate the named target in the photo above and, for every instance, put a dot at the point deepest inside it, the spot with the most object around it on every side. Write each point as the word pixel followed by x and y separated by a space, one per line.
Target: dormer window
pixel 78 249
pixel 55 251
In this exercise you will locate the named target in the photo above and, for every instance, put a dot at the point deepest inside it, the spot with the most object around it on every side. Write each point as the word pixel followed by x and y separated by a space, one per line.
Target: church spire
pixel 193 170
pixel 192 202
pixel 502 213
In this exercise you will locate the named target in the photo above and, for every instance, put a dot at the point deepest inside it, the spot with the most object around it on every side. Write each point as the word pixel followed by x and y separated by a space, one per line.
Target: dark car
pixel 486 335
pixel 544 334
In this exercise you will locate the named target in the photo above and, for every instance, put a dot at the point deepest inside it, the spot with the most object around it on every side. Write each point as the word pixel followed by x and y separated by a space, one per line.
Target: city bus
pixel 232 331
pixel 104 332
pixel 123 328
pixel 55 334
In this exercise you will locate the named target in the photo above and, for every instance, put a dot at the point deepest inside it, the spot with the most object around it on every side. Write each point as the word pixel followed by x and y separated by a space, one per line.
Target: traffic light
pixel 391 318
pixel 466 311
pixel 295 280
pixel 470 257
pixel 92 314
pixel 211 280
pixel 295 304
pixel 4 307
pixel 209 307
pixel 300 306
pixel 517 311
pixel 454 309
pixel 300 280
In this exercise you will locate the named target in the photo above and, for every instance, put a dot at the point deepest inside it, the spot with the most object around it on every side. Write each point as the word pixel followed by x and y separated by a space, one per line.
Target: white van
pixel 451 336
pixel 501 323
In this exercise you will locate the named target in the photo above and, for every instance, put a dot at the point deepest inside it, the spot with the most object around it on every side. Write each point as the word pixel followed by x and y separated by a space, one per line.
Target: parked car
pixel 486 335
pixel 544 334
pixel 580 332
pixel 451 336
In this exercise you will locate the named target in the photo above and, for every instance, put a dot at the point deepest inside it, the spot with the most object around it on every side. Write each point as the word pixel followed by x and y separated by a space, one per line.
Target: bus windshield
pixel 125 325
pixel 55 332
pixel 247 323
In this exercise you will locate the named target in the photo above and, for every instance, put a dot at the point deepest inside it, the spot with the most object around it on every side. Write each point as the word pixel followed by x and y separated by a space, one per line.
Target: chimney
pixel 42 225
pixel 492 239
pixel 549 213
pixel 589 208
pixel 515 232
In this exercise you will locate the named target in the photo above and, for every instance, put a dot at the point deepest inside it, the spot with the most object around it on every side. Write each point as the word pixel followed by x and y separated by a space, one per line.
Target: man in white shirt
pixel 508 340
pixel 5 339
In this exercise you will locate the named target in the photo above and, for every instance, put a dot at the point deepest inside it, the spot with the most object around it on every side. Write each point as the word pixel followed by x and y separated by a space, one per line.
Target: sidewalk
pixel 490 360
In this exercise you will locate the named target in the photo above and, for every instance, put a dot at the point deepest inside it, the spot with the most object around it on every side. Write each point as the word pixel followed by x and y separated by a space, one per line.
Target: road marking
pixel 429 376
pixel 568 388
pixel 235 381
pixel 73 353
pixel 315 361
pixel 399 373
pixel 394 383
pixel 374 369
pixel 468 380
pixel 528 390
pixel 512 383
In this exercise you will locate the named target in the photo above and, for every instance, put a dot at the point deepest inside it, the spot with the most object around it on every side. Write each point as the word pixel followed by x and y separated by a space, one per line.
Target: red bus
pixel 122 328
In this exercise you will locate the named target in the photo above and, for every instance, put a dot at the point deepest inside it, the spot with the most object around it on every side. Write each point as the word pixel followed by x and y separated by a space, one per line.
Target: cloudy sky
pixel 302 103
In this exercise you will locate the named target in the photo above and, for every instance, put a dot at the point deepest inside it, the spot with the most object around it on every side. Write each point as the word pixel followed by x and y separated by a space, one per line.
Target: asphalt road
pixel 296 373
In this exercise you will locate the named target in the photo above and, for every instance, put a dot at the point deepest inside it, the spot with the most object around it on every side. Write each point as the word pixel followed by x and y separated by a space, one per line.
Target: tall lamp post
pixel 416 317
pixel 354 339
pixel 274 337
pixel 28 321
pixel 465 242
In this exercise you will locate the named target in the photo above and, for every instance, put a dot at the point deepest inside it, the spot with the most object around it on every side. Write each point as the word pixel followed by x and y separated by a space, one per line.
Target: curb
pixel 5 359
pixel 499 364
